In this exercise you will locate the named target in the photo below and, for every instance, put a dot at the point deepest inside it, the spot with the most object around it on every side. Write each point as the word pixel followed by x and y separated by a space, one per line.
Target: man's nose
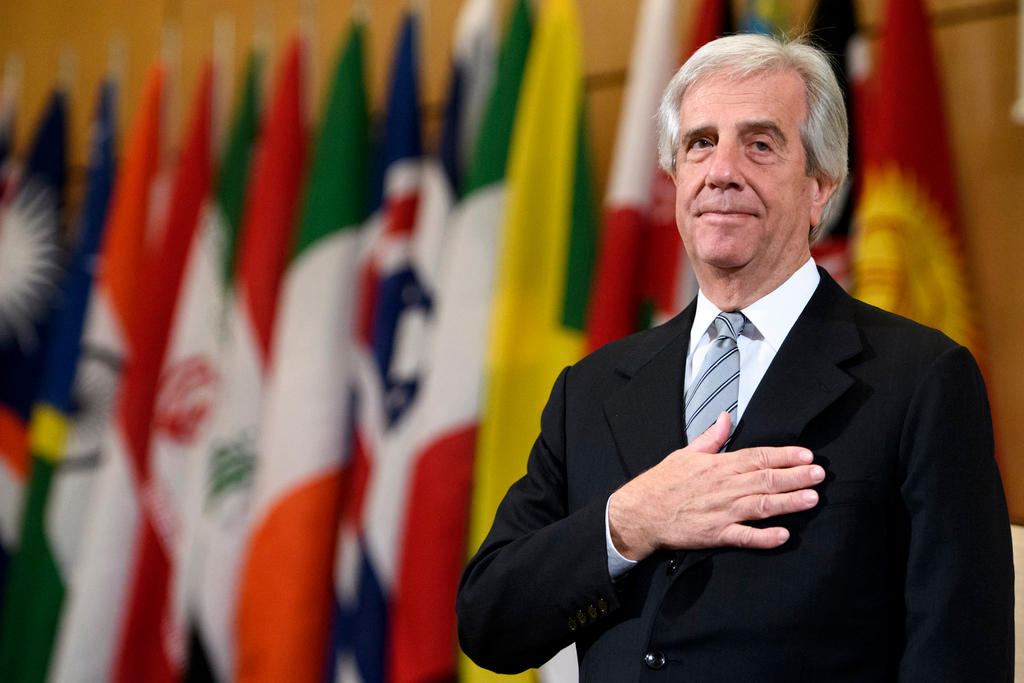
pixel 724 169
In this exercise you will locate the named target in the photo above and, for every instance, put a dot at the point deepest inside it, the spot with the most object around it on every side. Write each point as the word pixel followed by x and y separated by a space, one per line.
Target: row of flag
pixel 257 406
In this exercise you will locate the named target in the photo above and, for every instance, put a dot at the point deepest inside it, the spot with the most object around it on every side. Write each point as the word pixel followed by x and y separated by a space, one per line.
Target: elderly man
pixel 781 483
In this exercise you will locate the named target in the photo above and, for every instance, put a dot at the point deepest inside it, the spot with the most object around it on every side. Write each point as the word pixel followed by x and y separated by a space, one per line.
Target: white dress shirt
pixel 769 320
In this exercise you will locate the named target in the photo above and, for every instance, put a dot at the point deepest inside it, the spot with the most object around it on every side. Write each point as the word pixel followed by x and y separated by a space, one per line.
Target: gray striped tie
pixel 716 387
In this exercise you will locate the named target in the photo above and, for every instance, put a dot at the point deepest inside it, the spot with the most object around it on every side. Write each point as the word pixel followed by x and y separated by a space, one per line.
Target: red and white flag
pixel 636 184
pixel 150 648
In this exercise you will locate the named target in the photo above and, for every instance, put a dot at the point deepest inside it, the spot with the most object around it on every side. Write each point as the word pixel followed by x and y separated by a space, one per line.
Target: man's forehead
pixel 777 93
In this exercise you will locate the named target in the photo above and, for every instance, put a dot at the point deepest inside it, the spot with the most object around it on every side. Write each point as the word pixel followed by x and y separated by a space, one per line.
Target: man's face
pixel 744 202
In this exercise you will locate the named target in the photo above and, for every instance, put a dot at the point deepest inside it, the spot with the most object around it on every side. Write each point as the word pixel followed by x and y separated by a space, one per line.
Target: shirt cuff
pixel 617 564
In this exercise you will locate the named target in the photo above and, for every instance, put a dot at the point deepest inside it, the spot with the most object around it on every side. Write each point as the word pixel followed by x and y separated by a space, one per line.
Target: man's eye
pixel 700 143
pixel 762 146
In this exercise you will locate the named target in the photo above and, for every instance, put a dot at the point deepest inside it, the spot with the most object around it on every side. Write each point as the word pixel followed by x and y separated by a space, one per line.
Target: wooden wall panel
pixel 980 75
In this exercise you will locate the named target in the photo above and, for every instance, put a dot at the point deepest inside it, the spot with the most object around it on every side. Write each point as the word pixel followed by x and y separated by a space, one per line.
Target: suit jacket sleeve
pixel 541 575
pixel 959 571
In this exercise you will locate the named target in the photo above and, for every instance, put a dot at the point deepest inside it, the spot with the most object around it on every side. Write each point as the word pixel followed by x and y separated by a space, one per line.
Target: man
pixel 853 526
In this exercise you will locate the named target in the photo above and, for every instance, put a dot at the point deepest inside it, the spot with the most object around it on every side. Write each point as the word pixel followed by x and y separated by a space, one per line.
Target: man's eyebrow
pixel 698 132
pixel 769 127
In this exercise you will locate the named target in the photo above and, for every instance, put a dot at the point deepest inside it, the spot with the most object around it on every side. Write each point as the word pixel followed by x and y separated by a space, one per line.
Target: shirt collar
pixel 773 315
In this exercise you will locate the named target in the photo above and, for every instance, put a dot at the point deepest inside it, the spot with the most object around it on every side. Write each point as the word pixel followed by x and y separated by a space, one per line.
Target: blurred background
pixel 284 286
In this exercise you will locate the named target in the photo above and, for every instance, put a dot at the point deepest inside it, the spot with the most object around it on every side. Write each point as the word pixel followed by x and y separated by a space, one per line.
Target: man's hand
pixel 698 498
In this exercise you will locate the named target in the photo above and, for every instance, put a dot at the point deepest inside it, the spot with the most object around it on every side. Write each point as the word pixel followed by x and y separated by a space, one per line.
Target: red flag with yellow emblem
pixel 908 252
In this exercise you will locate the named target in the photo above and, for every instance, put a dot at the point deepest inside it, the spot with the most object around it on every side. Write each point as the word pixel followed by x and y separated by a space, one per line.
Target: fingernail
pixel 810 497
pixel 817 474
pixel 806 456
pixel 783 536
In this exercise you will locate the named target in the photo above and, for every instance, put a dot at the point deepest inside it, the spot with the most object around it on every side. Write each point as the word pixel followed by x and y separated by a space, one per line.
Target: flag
pixel 764 16
pixel 834 29
pixel 191 379
pixel 36 585
pixel 908 254
pixel 643 276
pixel 615 305
pixel 146 651
pixel 392 320
pixel 469 86
pixel 7 110
pixel 286 579
pixel 547 252
pixel 431 547
pixel 31 265
pixel 94 467
pixel 268 224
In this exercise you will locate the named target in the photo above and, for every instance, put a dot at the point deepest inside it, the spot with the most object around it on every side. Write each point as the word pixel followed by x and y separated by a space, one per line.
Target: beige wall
pixel 976 40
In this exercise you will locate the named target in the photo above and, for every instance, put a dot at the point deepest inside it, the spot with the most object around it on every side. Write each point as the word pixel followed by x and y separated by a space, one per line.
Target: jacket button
pixel 654 659
pixel 581 617
pixel 602 606
pixel 592 612
pixel 572 624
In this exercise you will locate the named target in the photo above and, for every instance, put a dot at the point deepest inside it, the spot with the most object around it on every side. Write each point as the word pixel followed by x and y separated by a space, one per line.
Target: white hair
pixel 824 131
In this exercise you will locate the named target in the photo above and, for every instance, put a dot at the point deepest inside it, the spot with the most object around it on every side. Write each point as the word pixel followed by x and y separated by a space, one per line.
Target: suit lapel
pixel 646 414
pixel 805 377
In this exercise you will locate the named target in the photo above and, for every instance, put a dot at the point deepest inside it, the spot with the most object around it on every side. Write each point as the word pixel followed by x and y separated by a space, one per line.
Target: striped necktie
pixel 716 387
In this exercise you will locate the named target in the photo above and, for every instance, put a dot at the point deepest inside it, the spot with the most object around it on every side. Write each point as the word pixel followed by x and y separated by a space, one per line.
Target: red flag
pixel 908 256
pixel 144 653
pixel 642 276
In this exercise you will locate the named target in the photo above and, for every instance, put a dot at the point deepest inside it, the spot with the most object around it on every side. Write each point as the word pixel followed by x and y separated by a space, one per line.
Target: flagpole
pixel 263 30
pixel 67 69
pixel 117 50
pixel 1017 111
pixel 223 77
pixel 361 11
pixel 170 55
pixel 10 90
pixel 308 13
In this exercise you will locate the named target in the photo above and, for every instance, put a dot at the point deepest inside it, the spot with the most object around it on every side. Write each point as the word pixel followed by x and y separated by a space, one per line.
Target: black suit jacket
pixel 903 571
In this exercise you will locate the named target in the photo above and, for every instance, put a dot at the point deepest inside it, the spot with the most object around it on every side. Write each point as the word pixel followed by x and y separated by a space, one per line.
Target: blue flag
pixel 62 355
pixel 30 272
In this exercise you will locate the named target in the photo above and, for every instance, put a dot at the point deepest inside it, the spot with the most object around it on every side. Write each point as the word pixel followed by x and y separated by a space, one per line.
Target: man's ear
pixel 821 190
